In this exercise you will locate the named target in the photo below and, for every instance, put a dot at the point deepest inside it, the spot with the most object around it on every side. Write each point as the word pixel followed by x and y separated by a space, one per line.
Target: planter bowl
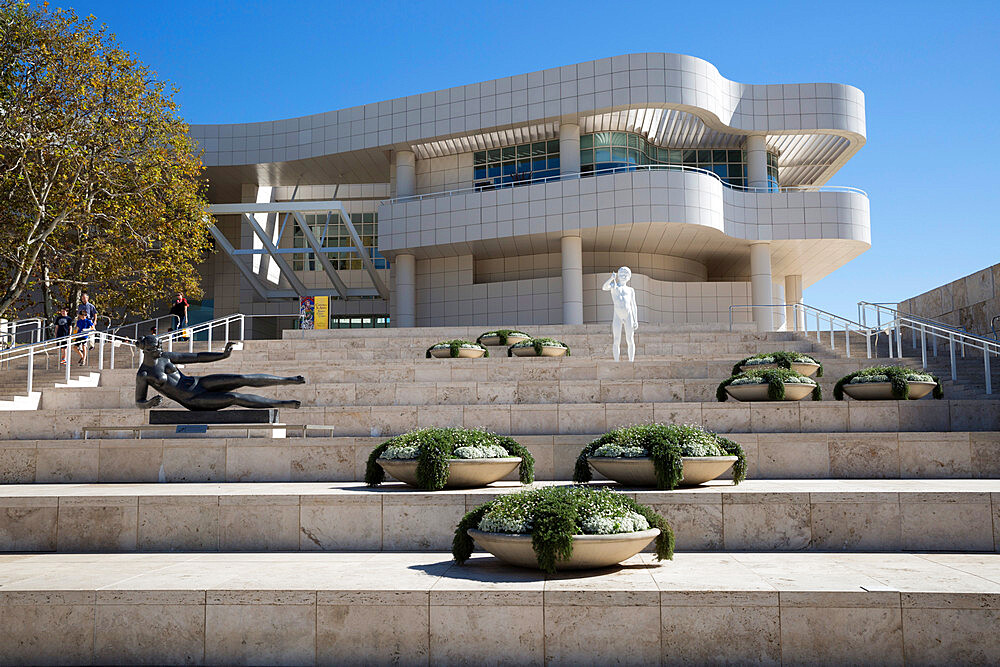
pixel 462 473
pixel 802 368
pixel 589 551
pixel 463 353
pixel 640 471
pixel 882 391
pixel 547 351
pixel 794 391
pixel 495 340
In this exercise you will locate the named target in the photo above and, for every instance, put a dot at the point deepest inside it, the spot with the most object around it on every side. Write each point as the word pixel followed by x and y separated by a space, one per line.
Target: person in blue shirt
pixel 64 325
pixel 83 325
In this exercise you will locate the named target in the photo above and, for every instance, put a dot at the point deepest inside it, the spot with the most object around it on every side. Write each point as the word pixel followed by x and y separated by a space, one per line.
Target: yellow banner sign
pixel 321 318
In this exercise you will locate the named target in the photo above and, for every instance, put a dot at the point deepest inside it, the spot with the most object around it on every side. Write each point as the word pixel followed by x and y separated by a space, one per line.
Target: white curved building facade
pixel 509 201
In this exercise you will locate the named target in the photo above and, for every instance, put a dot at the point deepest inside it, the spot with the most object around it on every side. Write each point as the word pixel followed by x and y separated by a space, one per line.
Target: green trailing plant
pixel 554 514
pixel 502 335
pixel 897 376
pixel 538 344
pixel 781 359
pixel 665 444
pixel 456 345
pixel 774 378
pixel 433 447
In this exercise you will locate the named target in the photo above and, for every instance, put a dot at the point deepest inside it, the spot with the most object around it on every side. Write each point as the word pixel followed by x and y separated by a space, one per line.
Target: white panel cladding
pixel 545 265
pixel 645 80
pixel 617 199
pixel 438 174
pixel 446 296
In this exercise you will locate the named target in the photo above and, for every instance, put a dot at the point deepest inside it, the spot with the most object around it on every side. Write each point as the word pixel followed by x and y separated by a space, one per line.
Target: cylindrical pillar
pixel 760 285
pixel 405 269
pixel 406 173
pixel 756 149
pixel 569 148
pixel 796 317
pixel 572 279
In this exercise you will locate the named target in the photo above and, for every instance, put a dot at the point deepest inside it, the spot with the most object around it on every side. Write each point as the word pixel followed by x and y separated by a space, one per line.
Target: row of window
pixel 513 164
pixel 331 232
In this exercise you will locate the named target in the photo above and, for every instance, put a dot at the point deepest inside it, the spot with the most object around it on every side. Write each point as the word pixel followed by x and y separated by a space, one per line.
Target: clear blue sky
pixel 929 72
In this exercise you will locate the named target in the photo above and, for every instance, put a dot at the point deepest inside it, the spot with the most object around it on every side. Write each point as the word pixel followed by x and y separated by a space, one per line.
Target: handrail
pixel 102 339
pixel 572 175
pixel 924 326
pixel 804 310
pixel 10 330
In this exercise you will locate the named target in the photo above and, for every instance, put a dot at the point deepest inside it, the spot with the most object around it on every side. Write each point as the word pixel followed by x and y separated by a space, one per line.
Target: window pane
pixel 479 157
pixel 523 150
pixel 538 164
pixel 587 141
pixel 508 152
pixel 493 155
pixel 619 154
pixel 587 156
pixel 553 146
pixel 538 148
pixel 480 172
pixel 602 139
pixel 602 155
pixel 735 156
pixel 524 165
pixel 718 156
pixel 508 168
pixel 494 170
pixel 619 138
pixel 554 162
pixel 703 157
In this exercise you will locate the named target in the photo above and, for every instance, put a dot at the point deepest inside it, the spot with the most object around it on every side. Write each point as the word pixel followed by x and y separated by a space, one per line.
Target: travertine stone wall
pixel 970 302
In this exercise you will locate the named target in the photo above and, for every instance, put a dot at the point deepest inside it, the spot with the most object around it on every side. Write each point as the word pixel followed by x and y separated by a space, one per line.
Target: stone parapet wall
pixel 970 302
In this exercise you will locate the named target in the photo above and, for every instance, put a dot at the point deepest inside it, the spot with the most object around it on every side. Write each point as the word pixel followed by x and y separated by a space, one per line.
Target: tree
pixel 100 184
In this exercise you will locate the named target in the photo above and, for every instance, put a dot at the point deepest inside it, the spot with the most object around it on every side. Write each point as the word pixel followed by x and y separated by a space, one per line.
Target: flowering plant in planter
pixel 898 377
pixel 666 445
pixel 502 335
pixel 455 347
pixel 553 516
pixel 434 448
pixel 781 359
pixel 774 378
pixel 538 344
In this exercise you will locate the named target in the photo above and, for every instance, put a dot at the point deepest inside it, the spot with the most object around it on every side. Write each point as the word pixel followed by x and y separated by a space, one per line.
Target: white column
pixel 756 149
pixel 406 173
pixel 795 317
pixel 569 148
pixel 572 279
pixel 760 285
pixel 405 269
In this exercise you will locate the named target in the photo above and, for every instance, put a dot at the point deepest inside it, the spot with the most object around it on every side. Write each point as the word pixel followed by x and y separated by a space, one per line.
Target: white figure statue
pixel 626 312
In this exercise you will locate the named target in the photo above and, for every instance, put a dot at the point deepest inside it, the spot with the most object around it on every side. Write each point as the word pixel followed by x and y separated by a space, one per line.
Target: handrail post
pixel 986 362
pixel 210 338
pixel 868 342
pixel 242 328
pixel 888 338
pixel 69 360
pixel 112 342
pixel 899 339
pixel 100 349
pixel 951 353
pixel 818 327
pixel 31 371
pixel 934 342
pixel 847 340
pixel 923 346
pixel 833 345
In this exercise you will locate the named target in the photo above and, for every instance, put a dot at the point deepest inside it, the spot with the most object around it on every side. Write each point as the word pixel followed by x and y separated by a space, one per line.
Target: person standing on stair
pixel 64 325
pixel 91 310
pixel 83 325
pixel 179 310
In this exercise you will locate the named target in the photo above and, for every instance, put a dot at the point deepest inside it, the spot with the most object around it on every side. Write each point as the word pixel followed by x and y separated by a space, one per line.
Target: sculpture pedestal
pixel 239 416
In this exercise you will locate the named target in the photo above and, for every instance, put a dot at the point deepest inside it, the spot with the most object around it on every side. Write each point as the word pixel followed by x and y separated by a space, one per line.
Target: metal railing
pixel 223 330
pixel 937 331
pixel 574 175
pixel 32 327
pixel 154 322
pixel 797 316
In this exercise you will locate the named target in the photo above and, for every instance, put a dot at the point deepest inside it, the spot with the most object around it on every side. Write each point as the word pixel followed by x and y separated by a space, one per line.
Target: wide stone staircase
pixel 866 532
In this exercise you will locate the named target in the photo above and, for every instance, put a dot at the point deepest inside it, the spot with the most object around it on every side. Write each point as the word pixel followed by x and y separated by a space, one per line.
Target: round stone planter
pixel 640 471
pixel 882 391
pixel 589 551
pixel 462 473
pixel 758 392
pixel 547 351
pixel 802 368
pixel 463 353
pixel 495 340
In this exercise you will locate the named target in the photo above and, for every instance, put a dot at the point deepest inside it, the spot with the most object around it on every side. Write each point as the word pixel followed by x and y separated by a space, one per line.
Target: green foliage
pixel 538 344
pixel 435 446
pixel 898 376
pixel 555 514
pixel 456 345
pixel 501 334
pixel 781 359
pixel 774 378
pixel 666 444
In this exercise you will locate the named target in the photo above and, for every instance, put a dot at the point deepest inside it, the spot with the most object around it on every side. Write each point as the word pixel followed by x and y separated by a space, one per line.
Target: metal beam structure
pixel 247 272
pixel 366 261
pixel 321 256
pixel 272 250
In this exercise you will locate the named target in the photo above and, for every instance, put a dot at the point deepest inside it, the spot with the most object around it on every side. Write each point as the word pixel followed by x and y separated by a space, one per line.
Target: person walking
pixel 91 311
pixel 179 310
pixel 64 325
pixel 83 325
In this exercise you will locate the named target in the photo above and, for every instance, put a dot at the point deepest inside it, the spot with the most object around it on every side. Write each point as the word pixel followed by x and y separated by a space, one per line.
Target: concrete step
pixel 421 608
pixel 569 418
pixel 758 515
pixel 342 459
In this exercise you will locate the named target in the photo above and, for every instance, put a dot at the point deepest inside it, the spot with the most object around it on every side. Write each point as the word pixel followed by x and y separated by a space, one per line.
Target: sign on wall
pixel 307 311
pixel 321 312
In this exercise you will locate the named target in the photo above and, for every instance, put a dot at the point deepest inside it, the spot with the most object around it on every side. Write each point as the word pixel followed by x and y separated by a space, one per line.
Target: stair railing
pixel 224 329
pixel 34 327
pixel 924 327
pixel 803 312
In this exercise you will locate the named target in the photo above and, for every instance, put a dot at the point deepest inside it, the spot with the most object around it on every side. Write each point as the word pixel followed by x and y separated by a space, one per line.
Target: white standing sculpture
pixel 626 312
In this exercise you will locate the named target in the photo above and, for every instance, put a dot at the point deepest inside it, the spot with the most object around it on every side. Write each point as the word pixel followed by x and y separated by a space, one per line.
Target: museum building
pixel 511 201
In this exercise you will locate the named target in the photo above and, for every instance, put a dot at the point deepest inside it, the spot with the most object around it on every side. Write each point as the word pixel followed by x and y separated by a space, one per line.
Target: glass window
pixel 493 155
pixel 587 141
pixel 553 146
pixel 718 156
pixel 587 156
pixel 554 161
pixel 538 148
pixel 602 139
pixel 602 155
pixel 619 139
pixel 524 150
pixel 619 154
pixel 479 157
pixel 508 152
pixel 736 156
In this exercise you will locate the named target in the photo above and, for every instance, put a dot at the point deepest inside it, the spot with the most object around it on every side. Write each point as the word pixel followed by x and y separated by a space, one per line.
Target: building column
pixel 756 149
pixel 406 174
pixel 795 317
pixel 569 148
pixel 404 268
pixel 760 285
pixel 572 279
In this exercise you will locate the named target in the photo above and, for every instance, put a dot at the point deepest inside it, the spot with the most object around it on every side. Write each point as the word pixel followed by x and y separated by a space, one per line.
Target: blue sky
pixel 928 70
